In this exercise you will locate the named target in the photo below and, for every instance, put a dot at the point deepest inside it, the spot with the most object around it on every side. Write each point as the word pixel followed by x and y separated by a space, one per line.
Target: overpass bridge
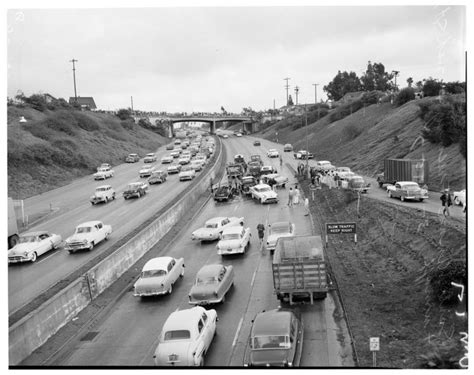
pixel 248 124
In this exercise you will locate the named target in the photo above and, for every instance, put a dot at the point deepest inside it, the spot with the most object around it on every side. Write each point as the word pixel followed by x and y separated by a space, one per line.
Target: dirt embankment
pixel 55 147
pixel 383 283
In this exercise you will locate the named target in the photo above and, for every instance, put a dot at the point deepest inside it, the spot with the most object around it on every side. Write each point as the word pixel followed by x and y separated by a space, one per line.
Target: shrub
pixel 36 101
pixel 440 281
pixel 124 114
pixel 404 96
pixel 352 131
pixel 431 87
pixel 371 97
pixel 58 124
pixel 86 123
pixel 128 124
pixel 345 110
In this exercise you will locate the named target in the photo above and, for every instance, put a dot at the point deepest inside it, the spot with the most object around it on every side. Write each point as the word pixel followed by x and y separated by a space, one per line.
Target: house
pixel 49 98
pixel 85 102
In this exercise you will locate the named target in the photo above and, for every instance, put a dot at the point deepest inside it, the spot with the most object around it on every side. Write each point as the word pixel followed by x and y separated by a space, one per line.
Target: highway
pixel 72 205
pixel 127 335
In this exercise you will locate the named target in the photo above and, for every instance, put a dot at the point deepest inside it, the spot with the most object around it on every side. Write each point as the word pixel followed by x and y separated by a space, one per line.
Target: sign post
pixel 374 348
pixel 341 228
pixel 312 188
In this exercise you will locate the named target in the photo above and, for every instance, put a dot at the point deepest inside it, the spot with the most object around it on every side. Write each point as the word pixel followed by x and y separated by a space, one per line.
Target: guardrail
pixel 35 328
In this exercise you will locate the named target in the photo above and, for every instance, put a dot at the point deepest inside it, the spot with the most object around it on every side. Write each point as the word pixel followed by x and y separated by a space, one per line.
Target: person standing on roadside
pixel 296 197
pixel 261 233
pixel 446 202
pixel 306 206
pixel 291 195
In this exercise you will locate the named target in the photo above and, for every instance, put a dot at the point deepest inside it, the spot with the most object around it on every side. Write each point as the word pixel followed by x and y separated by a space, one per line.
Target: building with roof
pixel 85 102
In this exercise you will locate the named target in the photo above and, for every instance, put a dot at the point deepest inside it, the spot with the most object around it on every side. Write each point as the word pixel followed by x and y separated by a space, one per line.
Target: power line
pixel 287 87
pixel 74 77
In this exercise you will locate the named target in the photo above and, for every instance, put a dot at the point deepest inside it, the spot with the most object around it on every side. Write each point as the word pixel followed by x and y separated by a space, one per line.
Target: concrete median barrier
pixel 34 329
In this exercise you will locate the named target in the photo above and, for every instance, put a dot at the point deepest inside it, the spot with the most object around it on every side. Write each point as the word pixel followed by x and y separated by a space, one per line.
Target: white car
pixel 105 165
pixel 186 337
pixel 196 165
pixel 280 181
pixel 103 173
pixel 166 160
pixel 175 153
pixel 187 173
pixel 272 153
pixel 213 228
pixel 87 235
pixel 33 244
pixel 407 190
pixel 238 135
pixel 149 158
pixel 146 171
pixel 184 160
pixel 344 173
pixel 263 193
pixel 278 230
pixel 234 240
pixel 158 276
pixel 103 193
pixel 459 197
pixel 324 166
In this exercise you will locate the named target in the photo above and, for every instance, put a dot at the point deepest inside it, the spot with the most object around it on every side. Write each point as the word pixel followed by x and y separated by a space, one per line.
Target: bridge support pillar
pixel 212 129
pixel 170 129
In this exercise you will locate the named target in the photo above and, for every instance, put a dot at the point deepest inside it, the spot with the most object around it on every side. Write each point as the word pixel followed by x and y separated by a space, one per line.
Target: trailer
pixel 395 170
pixel 299 269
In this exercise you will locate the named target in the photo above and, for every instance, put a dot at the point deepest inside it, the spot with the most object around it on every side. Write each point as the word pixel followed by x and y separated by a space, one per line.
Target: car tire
pixel 113 196
pixel 170 290
pixel 261 200
pixel 106 200
pixel 70 251
pixel 91 247
pixel 421 199
pixel 390 194
pixel 106 236
pixel 456 201
pixel 402 198
pixel 139 195
pixel 33 258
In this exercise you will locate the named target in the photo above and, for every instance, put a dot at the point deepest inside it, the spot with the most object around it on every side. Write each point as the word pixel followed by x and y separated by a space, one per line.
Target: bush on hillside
pixel 128 124
pixel 345 110
pixel 371 97
pixel 404 96
pixel 39 131
pixel 431 87
pixel 124 114
pixel 35 101
pixel 59 124
pixel 86 123
pixel 440 279
pixel 352 131
pixel 455 87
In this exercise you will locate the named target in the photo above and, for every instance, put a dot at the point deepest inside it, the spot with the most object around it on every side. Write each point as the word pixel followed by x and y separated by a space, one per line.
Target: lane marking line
pixel 237 332
pixel 253 277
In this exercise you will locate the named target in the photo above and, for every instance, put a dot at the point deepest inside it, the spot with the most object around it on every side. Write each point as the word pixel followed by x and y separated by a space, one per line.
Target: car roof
pixel 89 223
pixel 184 319
pixel 103 187
pixel 407 182
pixel 281 224
pixel 36 233
pixel 323 161
pixel 237 229
pixel 150 154
pixel 215 220
pixel 262 186
pixel 160 263
pixel 273 322
pixel 209 270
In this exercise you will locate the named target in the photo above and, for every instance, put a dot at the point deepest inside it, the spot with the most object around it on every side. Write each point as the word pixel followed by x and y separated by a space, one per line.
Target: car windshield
pixel 26 239
pixel 132 186
pixel 153 273
pixel 83 230
pixel 180 334
pixel 231 236
pixel 271 342
pixel 410 187
pixel 264 189
pixel 279 229
pixel 101 189
pixel 206 280
pixel 150 155
pixel 211 225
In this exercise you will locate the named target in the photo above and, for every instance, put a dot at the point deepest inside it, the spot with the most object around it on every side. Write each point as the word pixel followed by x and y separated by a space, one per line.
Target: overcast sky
pixel 202 58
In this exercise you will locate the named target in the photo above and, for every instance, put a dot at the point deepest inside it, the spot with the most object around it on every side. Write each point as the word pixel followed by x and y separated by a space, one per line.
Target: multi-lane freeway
pixel 127 335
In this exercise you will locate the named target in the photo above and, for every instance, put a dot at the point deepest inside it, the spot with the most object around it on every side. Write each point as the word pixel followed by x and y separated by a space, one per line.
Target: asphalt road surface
pixel 127 335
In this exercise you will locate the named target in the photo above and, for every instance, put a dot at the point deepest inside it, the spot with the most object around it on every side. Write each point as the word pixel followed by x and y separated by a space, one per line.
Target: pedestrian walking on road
pixel 291 195
pixel 261 234
pixel 296 197
pixel 306 206
pixel 446 202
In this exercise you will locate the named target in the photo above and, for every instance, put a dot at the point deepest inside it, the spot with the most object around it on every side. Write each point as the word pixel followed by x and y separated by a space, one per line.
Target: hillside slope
pixel 55 147
pixel 364 139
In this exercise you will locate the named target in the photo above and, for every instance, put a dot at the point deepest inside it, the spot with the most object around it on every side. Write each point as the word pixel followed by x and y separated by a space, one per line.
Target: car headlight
pixel 215 294
pixel 25 253
pixel 85 242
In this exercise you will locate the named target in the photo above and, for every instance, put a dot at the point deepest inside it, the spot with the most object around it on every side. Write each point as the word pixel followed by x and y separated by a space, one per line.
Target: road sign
pixel 374 344
pixel 341 228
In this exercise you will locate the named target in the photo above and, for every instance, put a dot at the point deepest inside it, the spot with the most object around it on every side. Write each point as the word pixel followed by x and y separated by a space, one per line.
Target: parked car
pixel 407 190
pixel 267 169
pixel 103 173
pixel 358 183
pixel 263 193
pixel 278 230
pixel 256 143
pixel 278 180
pixel 235 240
pixel 223 193
pixel 459 197
pixel 103 193
pixel 158 276
pixel 173 169
pixel 33 244
pixel 187 173
pixel 324 166
pixel 146 171
pixel 344 172
pixel 303 154
pixel 186 337
pixel 105 165
pixel 175 153
pixel 157 177
pixel 276 339
pixel 132 158
pixel 169 146
pixel 150 158
pixel 246 183
pixel 272 153
pixel 184 160
pixel 196 165
pixel 287 148
pixel 135 189
pixel 212 283
pixel 87 235
pixel 166 159
pixel 213 228
pixel 256 158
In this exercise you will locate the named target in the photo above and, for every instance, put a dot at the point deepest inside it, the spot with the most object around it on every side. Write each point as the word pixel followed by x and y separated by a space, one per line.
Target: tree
pixel 405 95
pixel 124 114
pixel 376 78
pixel 224 112
pixel 341 84
pixel 432 86
pixel 410 81
pixel 455 87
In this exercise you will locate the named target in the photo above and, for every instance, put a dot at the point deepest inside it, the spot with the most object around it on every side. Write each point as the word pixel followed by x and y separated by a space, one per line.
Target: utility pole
pixel 297 89
pixel 74 76
pixel 131 101
pixel 315 92
pixel 287 87
pixel 395 73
